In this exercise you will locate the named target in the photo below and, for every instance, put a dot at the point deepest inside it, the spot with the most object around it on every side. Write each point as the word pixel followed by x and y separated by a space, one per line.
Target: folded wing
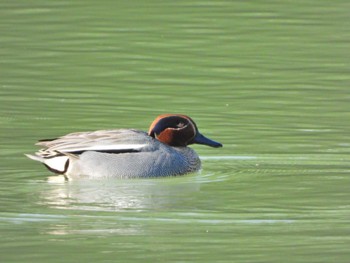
pixel 104 140
pixel 56 152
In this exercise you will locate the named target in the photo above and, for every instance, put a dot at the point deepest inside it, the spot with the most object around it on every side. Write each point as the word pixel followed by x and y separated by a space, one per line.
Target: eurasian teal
pixel 126 153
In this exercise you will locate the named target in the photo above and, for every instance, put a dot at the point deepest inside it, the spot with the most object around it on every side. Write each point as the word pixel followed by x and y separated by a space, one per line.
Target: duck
pixel 126 153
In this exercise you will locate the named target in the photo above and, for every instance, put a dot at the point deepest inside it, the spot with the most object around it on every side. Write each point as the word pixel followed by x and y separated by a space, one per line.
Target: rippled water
pixel 269 80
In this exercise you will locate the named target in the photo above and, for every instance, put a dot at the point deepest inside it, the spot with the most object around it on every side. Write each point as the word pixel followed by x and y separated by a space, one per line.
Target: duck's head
pixel 178 130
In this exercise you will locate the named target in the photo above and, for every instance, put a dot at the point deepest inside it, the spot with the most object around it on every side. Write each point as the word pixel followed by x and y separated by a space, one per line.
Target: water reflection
pixel 66 230
pixel 114 195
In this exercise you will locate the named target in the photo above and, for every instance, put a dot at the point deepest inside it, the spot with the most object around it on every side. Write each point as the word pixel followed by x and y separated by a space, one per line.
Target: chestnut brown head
pixel 178 130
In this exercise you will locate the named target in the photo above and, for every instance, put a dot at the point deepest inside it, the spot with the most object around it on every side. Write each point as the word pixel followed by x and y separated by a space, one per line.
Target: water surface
pixel 269 80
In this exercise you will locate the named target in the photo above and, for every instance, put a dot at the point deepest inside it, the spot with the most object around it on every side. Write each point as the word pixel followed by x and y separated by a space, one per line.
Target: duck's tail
pixel 35 158
pixel 57 164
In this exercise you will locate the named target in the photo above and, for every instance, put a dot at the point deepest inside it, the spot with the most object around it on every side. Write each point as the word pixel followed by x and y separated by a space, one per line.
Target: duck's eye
pixel 180 124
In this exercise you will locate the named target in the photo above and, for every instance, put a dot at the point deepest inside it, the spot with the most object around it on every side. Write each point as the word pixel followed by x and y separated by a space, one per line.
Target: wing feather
pixel 103 140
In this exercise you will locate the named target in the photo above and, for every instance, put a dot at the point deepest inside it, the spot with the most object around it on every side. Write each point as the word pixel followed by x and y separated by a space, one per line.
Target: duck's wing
pixel 116 141
pixel 57 153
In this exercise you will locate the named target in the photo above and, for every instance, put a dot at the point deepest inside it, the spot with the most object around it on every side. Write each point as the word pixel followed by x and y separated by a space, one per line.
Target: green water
pixel 268 79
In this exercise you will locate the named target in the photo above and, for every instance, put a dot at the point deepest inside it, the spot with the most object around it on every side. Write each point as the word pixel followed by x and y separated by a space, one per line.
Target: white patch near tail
pixel 57 164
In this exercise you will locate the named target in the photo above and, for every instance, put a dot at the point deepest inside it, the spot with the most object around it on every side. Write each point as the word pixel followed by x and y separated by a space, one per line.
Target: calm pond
pixel 270 80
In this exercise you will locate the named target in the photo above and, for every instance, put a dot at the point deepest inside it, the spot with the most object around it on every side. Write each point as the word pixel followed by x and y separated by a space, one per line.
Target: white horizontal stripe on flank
pixel 108 147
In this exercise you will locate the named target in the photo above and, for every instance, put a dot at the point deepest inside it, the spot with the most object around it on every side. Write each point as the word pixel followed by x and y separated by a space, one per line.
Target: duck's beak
pixel 201 139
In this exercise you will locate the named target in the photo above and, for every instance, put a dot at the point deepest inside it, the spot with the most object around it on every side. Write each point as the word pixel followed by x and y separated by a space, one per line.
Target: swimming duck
pixel 126 153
